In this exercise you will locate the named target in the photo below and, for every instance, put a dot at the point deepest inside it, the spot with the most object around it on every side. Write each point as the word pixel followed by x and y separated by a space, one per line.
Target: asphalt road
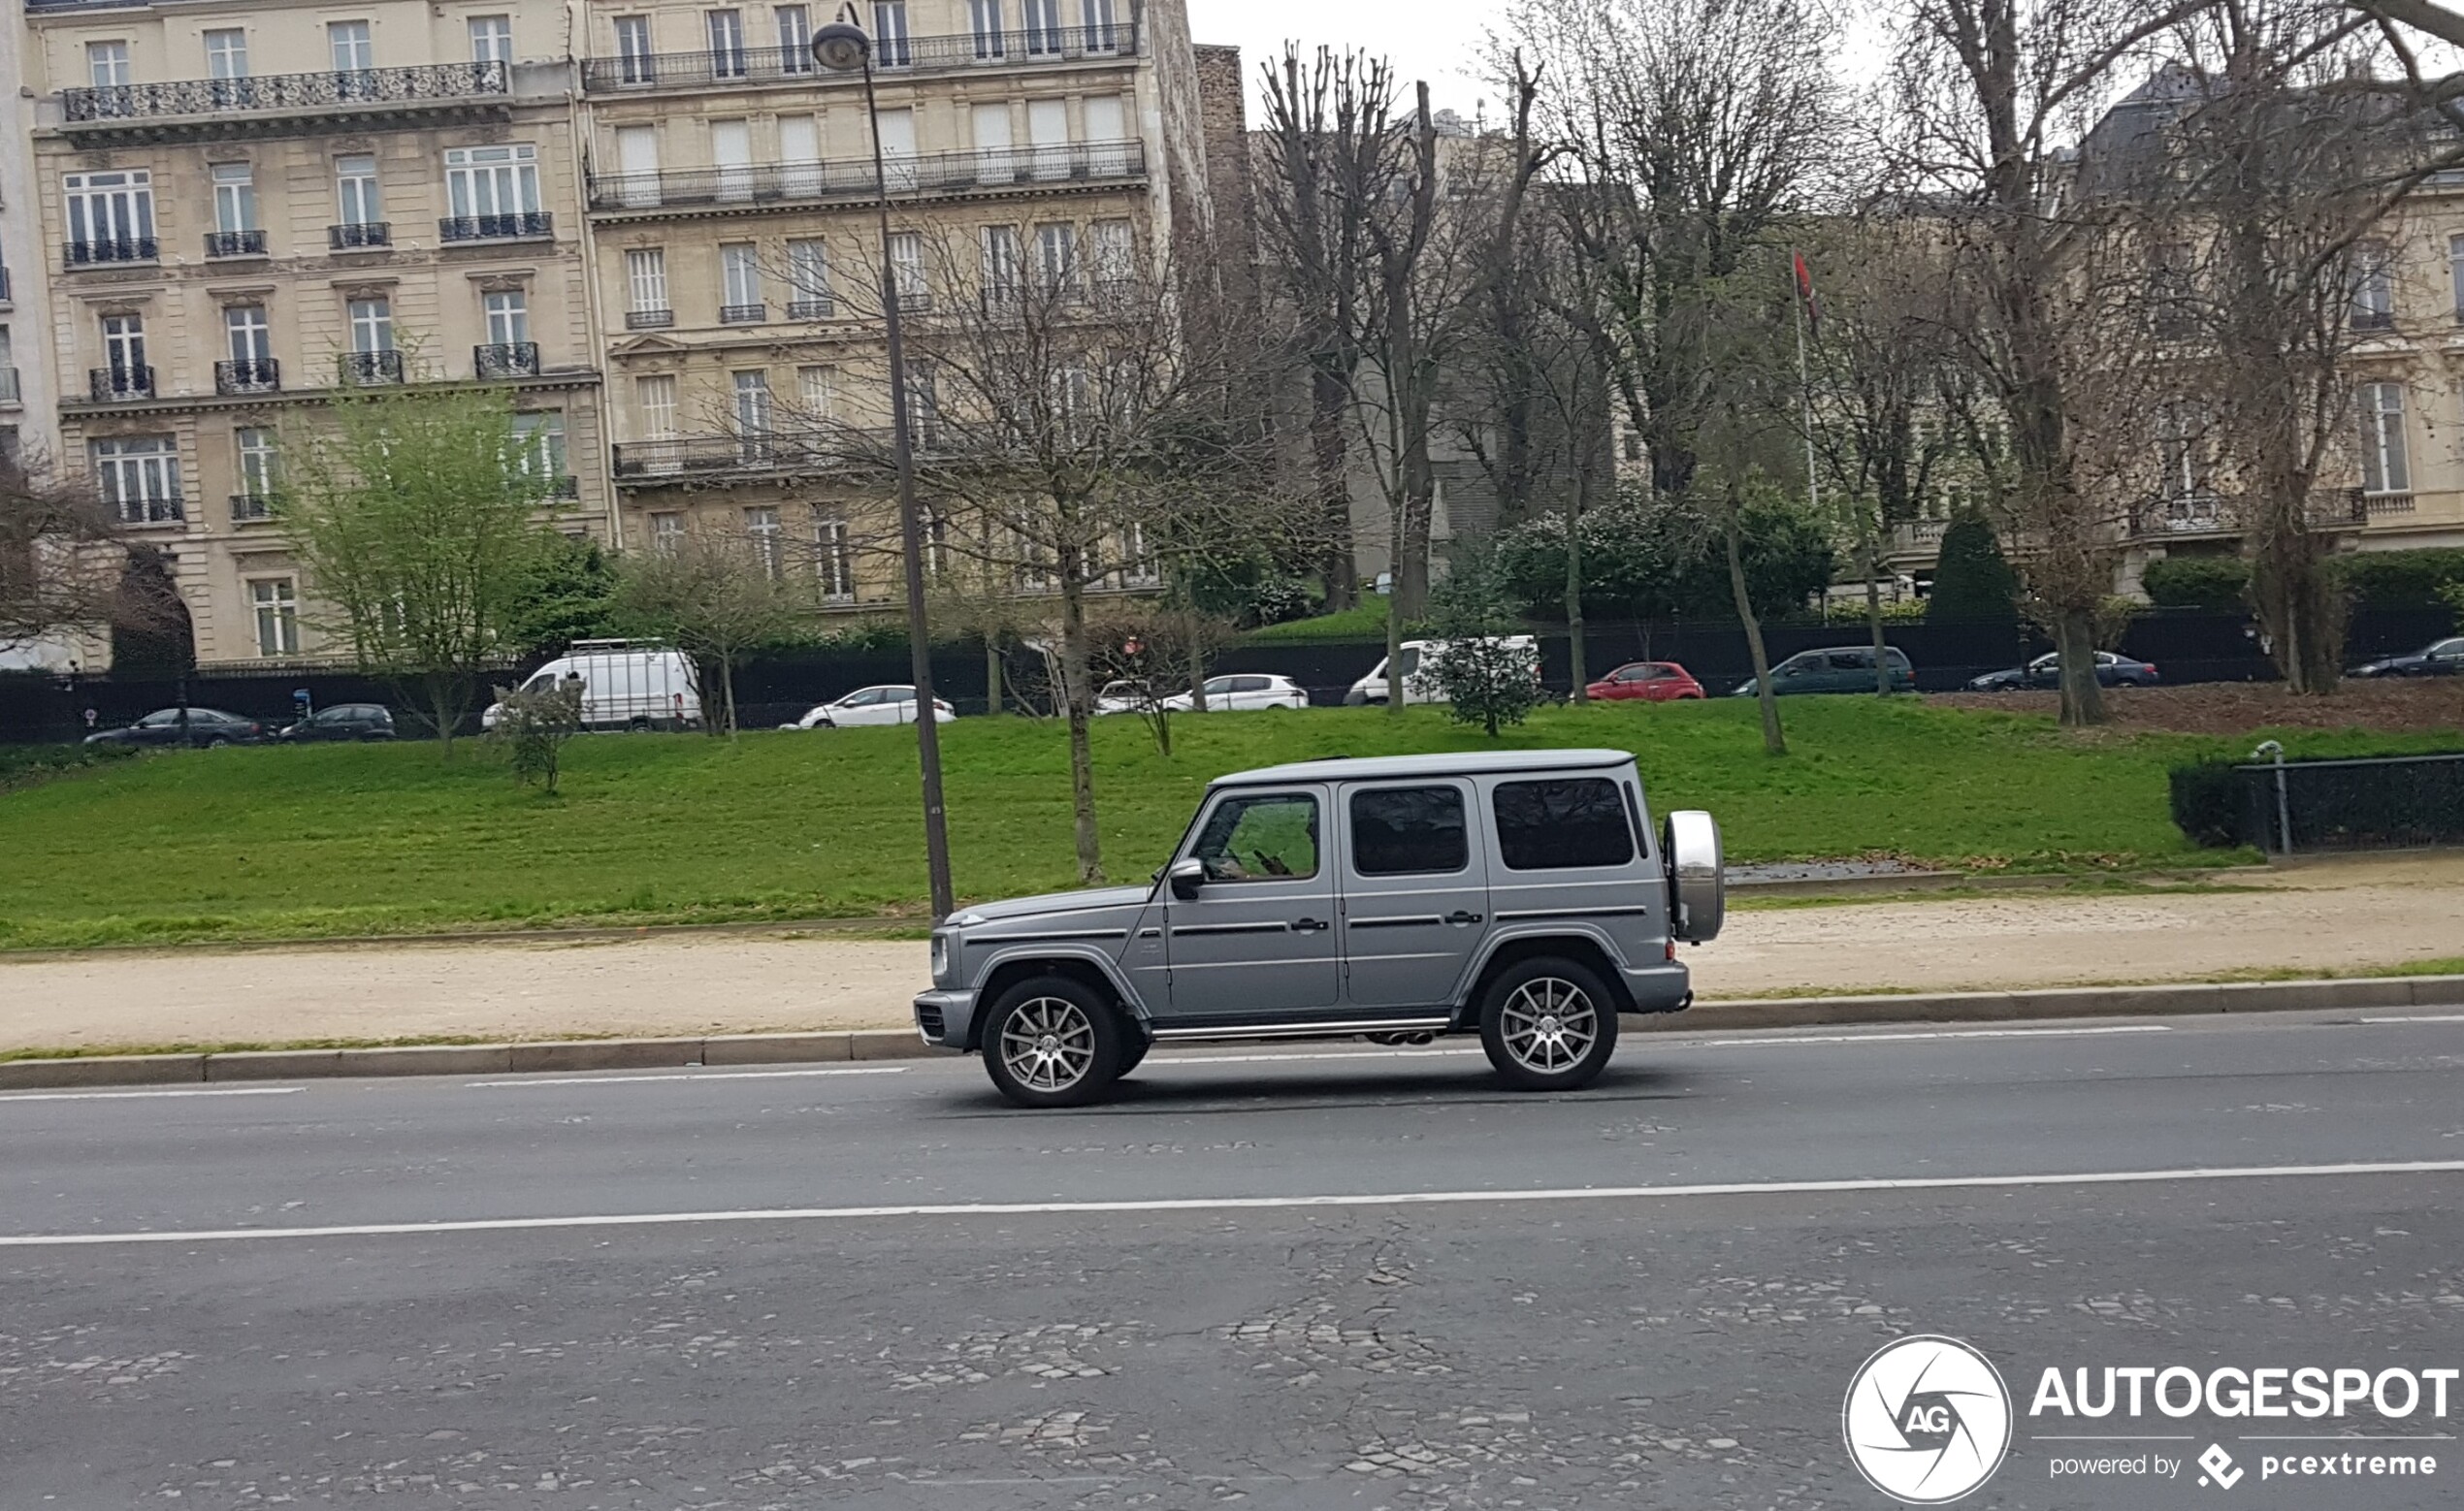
pixel 1343 1277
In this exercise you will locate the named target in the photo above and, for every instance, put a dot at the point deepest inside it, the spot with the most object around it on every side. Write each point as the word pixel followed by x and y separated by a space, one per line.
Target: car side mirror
pixel 1186 877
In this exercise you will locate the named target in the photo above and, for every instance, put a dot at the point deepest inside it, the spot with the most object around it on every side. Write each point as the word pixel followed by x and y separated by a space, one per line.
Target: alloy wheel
pixel 1549 1025
pixel 1048 1045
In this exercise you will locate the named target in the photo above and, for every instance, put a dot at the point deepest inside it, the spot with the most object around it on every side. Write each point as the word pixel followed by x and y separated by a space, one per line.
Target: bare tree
pixel 61 563
pixel 714 596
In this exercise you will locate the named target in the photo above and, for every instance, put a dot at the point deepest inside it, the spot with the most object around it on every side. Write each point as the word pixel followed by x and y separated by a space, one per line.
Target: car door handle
pixel 1460 917
pixel 1307 925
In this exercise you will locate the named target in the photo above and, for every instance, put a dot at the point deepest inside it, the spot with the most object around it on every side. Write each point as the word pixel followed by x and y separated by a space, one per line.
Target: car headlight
pixel 940 957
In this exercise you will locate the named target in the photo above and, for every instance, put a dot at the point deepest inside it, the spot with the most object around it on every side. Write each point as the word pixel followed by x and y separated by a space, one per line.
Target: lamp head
pixel 841 47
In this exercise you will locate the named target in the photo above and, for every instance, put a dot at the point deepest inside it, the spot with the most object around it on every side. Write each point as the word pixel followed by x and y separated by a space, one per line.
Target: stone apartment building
pixel 653 222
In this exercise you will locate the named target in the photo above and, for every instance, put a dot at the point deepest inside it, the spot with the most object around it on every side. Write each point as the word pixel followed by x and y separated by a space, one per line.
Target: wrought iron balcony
pixel 247 376
pixel 523 224
pixel 505 359
pixel 729 66
pixel 164 508
pixel 251 507
pixel 649 319
pixel 812 309
pixel 565 486
pixel 354 235
pixel 743 314
pixel 2374 319
pixel 111 249
pixel 235 101
pixel 235 243
pixel 827 448
pixel 119 385
pixel 787 184
pixel 371 369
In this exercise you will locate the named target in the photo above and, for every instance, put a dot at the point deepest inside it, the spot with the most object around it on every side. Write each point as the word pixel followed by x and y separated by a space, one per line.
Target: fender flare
pixel 1076 955
pixel 1538 928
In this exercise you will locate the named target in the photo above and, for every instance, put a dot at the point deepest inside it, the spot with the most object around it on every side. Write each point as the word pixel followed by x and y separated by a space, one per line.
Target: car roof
pixel 1466 763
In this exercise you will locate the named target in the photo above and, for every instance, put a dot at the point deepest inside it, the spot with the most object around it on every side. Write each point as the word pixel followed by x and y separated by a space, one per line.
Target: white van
pixel 1418 687
pixel 626 685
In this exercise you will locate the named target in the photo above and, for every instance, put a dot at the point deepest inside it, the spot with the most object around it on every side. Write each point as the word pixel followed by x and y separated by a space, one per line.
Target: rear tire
pixel 1549 1025
pixel 1052 1042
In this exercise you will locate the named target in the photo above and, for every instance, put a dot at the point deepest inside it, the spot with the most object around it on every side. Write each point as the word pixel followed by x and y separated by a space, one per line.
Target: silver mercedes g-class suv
pixel 1519 894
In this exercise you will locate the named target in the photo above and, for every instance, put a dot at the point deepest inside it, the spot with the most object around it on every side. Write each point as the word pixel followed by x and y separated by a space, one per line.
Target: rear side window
pixel 1561 825
pixel 1408 831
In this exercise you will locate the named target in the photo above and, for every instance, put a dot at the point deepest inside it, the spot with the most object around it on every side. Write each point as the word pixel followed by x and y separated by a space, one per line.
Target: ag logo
pixel 1927 1420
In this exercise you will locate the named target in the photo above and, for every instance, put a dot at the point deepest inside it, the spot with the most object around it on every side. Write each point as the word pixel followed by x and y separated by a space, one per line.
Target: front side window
pixel 1562 825
pixel 276 602
pixel 352 48
pixel 106 64
pixel 492 38
pixel 247 331
pixel 235 197
pixel 2386 467
pixel 139 477
pixel 1272 837
pixel 372 322
pixel 1408 831
pixel 508 316
pixel 487 181
pixel 227 53
pixel 355 191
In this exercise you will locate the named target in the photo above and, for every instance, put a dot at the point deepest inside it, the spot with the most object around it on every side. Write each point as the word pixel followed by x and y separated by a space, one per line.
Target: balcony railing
pixel 837 447
pixel 247 376
pixel 284 92
pixel 724 66
pixel 371 369
pixel 505 359
pixel 2374 319
pixel 111 249
pixel 251 507
pixel 119 385
pixel 743 314
pixel 772 184
pixel 565 486
pixel 235 243
pixel 812 309
pixel 649 319
pixel 516 225
pixel 2187 514
pixel 147 508
pixel 354 235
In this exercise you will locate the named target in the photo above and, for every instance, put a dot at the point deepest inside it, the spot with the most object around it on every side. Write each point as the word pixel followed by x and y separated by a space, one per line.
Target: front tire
pixel 1050 1042
pixel 1549 1025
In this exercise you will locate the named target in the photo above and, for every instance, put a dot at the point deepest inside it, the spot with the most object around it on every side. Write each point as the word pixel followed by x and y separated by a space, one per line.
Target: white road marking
pixel 1947 1033
pixel 612 1080
pixel 1234 1203
pixel 182 1091
pixel 2421 1017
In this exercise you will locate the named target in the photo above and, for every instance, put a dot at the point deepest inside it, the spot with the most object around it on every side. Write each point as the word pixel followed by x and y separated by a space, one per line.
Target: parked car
pixel 1846 668
pixel 1418 685
pixel 209 726
pixel 2112 669
pixel 1244 690
pixel 1123 697
pixel 1650 682
pixel 2437 658
pixel 341 721
pixel 626 685
pixel 1519 896
pixel 890 704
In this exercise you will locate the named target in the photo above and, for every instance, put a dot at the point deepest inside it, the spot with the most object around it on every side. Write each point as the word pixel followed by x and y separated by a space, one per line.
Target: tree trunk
pixel 1078 704
pixel 991 674
pixel 1575 589
pixel 2083 696
pixel 1774 742
pixel 1394 657
pixel 1338 571
pixel 1873 600
pixel 727 685
pixel 1197 661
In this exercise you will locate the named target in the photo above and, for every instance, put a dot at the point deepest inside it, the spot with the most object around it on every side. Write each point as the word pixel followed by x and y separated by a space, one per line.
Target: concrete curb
pixel 756 1049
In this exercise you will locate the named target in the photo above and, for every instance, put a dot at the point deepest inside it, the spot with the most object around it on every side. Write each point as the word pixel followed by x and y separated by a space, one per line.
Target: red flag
pixel 1805 292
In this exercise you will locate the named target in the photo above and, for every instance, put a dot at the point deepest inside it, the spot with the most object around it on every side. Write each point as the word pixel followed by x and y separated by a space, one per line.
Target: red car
pixel 1656 682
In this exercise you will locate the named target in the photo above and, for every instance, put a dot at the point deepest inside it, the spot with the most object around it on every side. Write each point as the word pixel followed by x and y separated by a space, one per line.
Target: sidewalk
pixel 2330 916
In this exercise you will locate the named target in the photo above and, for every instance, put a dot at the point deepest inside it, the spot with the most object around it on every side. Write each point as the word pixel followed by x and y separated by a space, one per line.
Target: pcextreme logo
pixel 1927 1420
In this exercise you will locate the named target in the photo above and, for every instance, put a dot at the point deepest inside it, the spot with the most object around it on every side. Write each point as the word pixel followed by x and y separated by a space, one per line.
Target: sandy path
pixel 2339 917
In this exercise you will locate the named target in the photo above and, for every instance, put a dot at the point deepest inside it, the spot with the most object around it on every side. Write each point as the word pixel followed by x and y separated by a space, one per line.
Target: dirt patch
pixel 2396 704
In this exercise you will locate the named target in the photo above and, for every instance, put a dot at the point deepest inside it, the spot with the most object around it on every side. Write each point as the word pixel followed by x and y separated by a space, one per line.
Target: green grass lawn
pixel 323 841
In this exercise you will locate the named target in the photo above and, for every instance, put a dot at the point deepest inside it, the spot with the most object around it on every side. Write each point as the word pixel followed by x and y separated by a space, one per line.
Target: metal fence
pixel 2377 803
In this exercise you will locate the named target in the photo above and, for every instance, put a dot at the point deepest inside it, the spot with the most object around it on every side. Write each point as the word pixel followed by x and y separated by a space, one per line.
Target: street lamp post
pixel 843 48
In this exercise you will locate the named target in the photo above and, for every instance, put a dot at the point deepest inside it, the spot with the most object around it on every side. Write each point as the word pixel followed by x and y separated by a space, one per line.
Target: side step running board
pixel 1325 1029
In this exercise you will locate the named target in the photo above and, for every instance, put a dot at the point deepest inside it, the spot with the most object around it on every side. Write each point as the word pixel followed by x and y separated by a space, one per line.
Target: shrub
pixel 2400 579
pixel 1971 579
pixel 533 726
pixel 1486 680
pixel 2196 582
pixel 2207 803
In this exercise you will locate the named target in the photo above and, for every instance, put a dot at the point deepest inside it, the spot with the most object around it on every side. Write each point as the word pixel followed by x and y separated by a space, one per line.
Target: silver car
pixel 1521 895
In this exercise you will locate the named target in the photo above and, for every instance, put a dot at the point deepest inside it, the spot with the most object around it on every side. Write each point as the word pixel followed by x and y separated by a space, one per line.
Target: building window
pixel 2373 287
pixel 1138 568
pixel 816 392
pixel 907 271
pixel 833 557
pixel 125 351
pixel 897 128
pixel 740 279
pixel 353 49
pixel 646 284
pixel 539 442
pixel 753 414
pixel 372 322
pixel 250 334
pixel 1115 266
pixel 260 472
pixel 1004 268
pixel 227 53
pixel 2385 467
pixel 983 17
pixel 106 64
pixel 667 532
pixel 795 38
pixel 890 48
pixel 808 273
pixel 235 197
pixel 110 215
pixel 1097 15
pixel 1034 571
pixel 727 43
pixel 655 405
pixel 1043 20
pixel 1056 259
pixel 492 38
pixel 355 191
pixel 139 477
pixel 491 183
pixel 762 528
pixel 277 603
pixel 508 316
pixel 632 47
pixel 923 403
